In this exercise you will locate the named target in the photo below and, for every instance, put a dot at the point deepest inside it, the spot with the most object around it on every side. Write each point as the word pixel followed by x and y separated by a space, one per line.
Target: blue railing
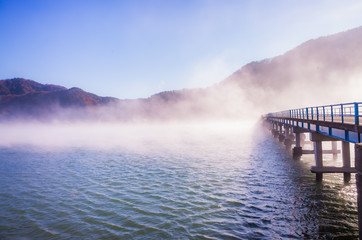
pixel 347 113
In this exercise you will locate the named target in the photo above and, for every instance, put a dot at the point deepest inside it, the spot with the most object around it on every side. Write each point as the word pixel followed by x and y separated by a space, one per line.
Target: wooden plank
pixel 315 169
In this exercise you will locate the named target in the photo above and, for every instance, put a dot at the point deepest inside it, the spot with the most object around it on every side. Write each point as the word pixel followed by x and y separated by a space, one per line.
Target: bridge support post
pixel 287 141
pixel 334 150
pixel 317 139
pixel 302 139
pixel 318 152
pixel 297 139
pixel 275 129
pixel 275 133
pixel 358 163
pixel 297 150
pixel 281 136
pixel 346 157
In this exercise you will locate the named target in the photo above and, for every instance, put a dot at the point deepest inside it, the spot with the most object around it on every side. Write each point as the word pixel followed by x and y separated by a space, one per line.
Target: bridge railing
pixel 347 113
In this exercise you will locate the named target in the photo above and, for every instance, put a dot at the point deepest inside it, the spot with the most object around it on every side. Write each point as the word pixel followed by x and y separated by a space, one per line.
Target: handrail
pixel 348 113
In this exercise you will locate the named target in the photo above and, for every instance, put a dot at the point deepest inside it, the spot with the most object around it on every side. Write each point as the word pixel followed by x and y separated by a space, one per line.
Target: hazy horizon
pixel 132 50
pixel 189 164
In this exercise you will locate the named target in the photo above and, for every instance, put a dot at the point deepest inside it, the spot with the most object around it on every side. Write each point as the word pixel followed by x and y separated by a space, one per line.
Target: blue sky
pixel 131 49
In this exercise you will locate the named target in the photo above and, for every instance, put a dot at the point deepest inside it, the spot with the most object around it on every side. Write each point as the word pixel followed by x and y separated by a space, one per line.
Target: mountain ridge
pixel 25 97
pixel 319 71
pixel 329 63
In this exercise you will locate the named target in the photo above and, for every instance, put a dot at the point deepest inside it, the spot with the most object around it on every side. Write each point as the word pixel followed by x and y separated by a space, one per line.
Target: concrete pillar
pixel 287 141
pixel 297 150
pixel 318 152
pixel 286 131
pixel 275 133
pixel 291 137
pixel 334 149
pixel 358 162
pixel 281 136
pixel 273 128
pixel 346 157
pixel 302 139
pixel 297 139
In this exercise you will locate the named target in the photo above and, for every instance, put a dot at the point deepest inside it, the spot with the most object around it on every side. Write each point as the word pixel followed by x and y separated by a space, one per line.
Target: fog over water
pixel 164 179
pixel 189 164
pixel 203 181
pixel 135 137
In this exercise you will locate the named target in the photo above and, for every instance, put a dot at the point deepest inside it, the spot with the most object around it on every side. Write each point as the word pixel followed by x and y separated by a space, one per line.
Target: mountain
pixel 320 71
pixel 326 70
pixel 20 86
pixel 26 98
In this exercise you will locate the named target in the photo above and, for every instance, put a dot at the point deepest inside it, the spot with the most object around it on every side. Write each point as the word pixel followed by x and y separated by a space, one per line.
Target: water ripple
pixel 234 191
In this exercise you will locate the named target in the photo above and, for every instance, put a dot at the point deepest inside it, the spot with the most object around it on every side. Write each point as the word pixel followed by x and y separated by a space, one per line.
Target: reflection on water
pixel 242 185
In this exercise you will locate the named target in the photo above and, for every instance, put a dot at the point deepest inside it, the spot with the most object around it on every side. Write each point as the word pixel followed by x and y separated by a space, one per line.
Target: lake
pixel 238 183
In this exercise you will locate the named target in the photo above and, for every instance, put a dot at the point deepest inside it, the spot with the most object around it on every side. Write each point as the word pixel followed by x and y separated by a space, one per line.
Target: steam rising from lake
pixel 135 137
pixel 319 72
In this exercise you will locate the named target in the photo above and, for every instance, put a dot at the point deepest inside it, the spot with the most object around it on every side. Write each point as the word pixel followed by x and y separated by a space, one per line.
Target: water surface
pixel 234 185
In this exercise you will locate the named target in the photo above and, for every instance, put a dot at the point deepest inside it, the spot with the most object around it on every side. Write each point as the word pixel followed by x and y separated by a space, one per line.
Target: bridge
pixel 338 122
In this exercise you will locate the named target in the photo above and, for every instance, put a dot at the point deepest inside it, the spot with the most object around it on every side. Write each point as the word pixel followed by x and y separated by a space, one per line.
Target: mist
pixel 127 137
pixel 171 121
pixel 323 71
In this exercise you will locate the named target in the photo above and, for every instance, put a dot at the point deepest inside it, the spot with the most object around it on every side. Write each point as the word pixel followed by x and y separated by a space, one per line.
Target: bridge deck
pixel 341 121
